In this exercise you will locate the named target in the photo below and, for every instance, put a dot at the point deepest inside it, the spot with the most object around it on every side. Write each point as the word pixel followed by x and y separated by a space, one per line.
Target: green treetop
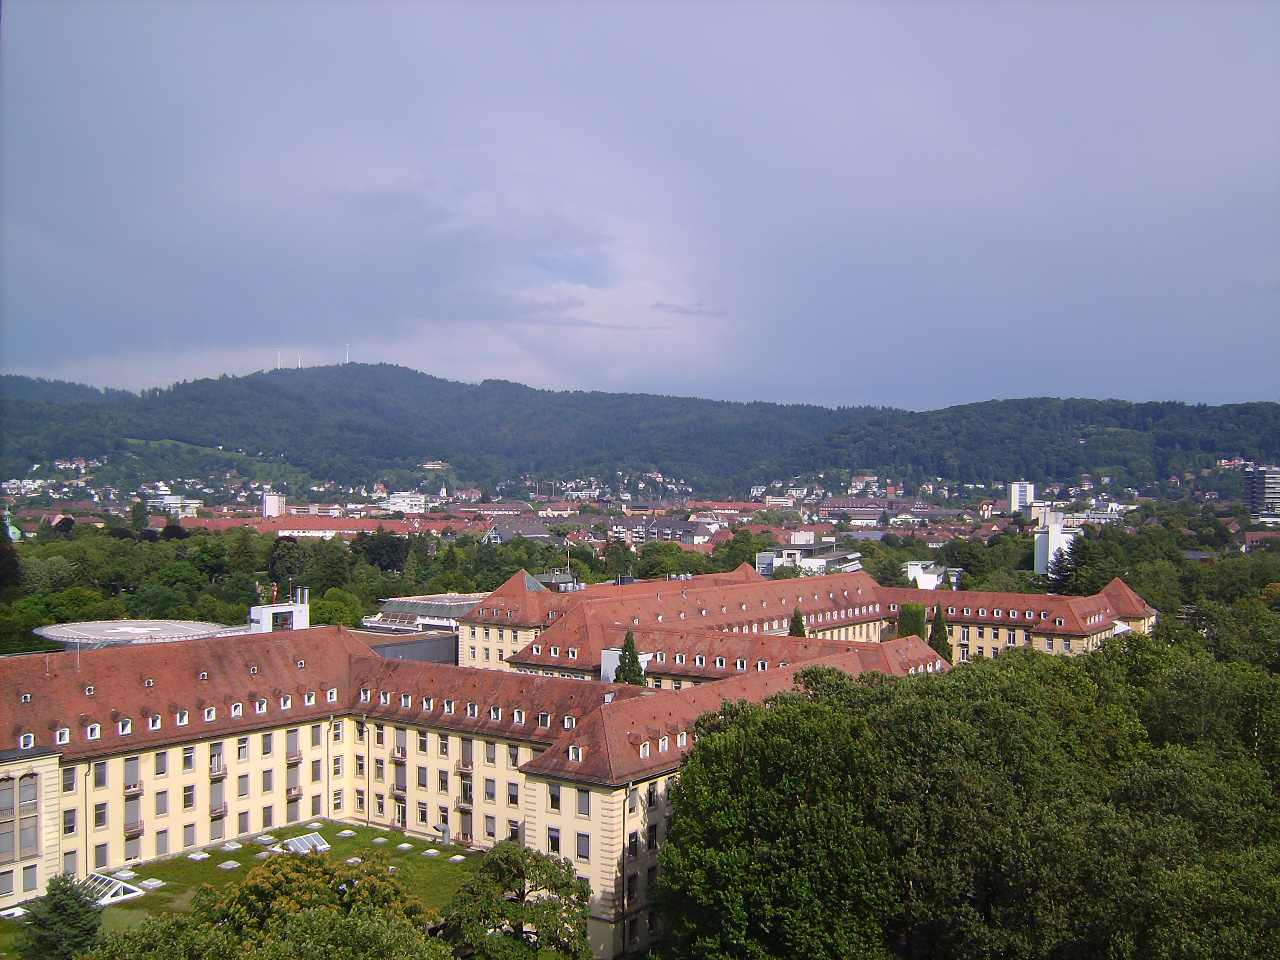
pixel 912 621
pixel 629 669
pixel 797 625
pixel 938 635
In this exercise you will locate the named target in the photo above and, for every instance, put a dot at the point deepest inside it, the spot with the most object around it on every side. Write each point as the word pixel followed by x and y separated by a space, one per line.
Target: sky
pixel 906 203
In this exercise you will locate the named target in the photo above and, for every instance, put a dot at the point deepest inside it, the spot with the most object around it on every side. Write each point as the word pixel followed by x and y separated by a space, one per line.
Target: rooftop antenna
pixel 348 346
pixel 277 358
pixel 299 361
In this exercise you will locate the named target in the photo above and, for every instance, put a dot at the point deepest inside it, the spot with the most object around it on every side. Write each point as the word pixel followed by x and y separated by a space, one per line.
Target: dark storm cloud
pixel 913 204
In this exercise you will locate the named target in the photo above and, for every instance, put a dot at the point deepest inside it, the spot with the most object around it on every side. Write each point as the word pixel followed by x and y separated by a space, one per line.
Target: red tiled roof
pixel 610 738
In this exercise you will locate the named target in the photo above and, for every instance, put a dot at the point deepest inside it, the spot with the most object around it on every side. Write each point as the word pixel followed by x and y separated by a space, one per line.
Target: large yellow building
pixel 127 754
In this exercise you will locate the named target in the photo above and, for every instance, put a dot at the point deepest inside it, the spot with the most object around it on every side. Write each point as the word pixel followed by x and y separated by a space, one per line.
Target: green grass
pixel 434 880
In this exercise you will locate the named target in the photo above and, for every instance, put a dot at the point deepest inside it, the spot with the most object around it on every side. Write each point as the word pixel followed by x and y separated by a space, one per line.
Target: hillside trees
pixel 1027 806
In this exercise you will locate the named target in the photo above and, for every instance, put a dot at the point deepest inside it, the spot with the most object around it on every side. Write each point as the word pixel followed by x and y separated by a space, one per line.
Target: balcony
pixel 135 829
pixel 293 758
pixel 399 754
pixel 132 790
pixel 293 793
pixel 399 791
pixel 463 804
pixel 217 771
pixel 464 766
pixel 218 812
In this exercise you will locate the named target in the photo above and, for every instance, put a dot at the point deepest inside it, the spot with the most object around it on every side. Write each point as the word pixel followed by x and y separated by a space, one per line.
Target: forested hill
pixel 1040 439
pixel 354 422
pixel 350 422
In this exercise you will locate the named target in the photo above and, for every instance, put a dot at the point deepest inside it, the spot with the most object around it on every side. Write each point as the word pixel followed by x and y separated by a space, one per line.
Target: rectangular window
pixel 99 816
pixel 490 790
pixel 553 841
pixel 317 771
pixel 423 745
pixel 443 748
pixel 188 759
pixel 337 801
pixel 379 768
pixel 162 803
pixel 584 802
pixel 242 749
pixel 513 794
pixel 268 781
pixel 268 744
pixel 513 757
pixel 68 779
pixel 188 797
pixel 100 856
pixel 553 796
pixel 242 822
pixel 337 766
pixel 189 835
pixel 360 801
pixel 490 753
pixel 633 845
pixel 491 827
pixel 337 730
pixel 268 817
pixel 6 883
pixel 584 846
pixel 242 786
pixel 442 781
pixel 379 735
pixel 424 813
pixel 99 774
pixel 651 837
pixel 316 733
pixel 422 778
pixel 68 822
pixel 162 763
pixel 162 842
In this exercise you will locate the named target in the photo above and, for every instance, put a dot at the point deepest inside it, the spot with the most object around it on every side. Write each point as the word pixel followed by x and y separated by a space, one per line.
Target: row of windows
pixel 450 708
pixel 1013 614
pixel 124 726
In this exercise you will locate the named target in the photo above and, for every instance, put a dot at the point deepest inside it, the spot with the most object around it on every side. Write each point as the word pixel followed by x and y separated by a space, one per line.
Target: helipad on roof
pixel 110 632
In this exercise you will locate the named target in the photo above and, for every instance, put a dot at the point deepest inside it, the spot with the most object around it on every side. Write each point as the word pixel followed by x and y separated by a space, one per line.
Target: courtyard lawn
pixel 432 879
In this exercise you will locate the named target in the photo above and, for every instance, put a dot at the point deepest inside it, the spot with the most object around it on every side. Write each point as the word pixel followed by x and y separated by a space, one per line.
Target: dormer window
pixel 63 736
pixel 237 711
pixel 573 653
pixel 210 714
pixel 153 722
pixel 762 665
pixel 331 695
pixel 26 698
pixel 997 613
pixel 682 739
pixel 204 675
pixel 663 743
pixel 181 718
pixel 302 664
pixel 742 664
pixel 93 732
pixel 555 651
pixel 644 750
pixel 537 649
pixel 260 706
pixel 982 611
pixel 253 671
pixel 575 753
pixel 27 741
pixel 1057 622
pixel 570 722
pixel 406 701
pixel 951 611
pixel 286 702
pixel 544 720
pixel 384 698
pixel 428 703
pixel 449 707
pixel 309 699
pixel 720 662
pixel 680 658
pixel 88 691
pixel 473 709
pixel 699 661
pixel 517 716
pixel 495 713
pixel 148 683
pixel 364 696
pixel 125 727
pixel 968 611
